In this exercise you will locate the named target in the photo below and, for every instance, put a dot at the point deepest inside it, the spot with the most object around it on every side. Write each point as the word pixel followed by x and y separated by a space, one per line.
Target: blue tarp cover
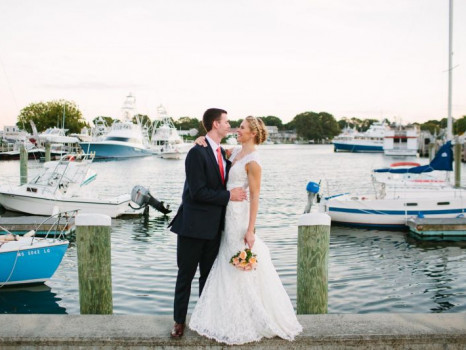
pixel 443 160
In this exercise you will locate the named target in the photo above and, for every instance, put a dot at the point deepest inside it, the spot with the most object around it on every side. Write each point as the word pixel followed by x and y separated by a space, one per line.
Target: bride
pixel 237 306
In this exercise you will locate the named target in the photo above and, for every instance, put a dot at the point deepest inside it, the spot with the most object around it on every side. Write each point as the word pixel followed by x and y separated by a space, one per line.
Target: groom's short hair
pixel 210 116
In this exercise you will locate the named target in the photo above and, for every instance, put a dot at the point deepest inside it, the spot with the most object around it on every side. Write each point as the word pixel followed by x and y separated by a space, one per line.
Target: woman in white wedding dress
pixel 237 306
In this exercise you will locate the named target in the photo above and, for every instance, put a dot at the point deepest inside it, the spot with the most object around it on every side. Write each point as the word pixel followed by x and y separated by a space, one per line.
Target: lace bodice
pixel 237 177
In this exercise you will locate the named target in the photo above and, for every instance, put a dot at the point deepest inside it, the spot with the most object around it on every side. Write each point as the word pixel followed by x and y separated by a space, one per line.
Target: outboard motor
pixel 142 197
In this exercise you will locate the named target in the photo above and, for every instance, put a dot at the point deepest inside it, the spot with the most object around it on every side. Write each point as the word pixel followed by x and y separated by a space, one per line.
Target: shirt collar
pixel 212 143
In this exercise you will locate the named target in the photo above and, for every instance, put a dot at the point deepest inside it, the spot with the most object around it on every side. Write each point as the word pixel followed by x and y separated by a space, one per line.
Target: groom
pixel 200 218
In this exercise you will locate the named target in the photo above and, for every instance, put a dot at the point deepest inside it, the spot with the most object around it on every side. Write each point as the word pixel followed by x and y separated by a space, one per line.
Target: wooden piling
pixel 432 147
pixel 457 155
pixel 313 251
pixel 94 263
pixel 47 152
pixel 23 165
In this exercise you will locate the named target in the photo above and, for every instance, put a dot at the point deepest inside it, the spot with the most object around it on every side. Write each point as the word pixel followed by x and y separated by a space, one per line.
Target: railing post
pixel 94 263
pixel 313 250
pixel 23 165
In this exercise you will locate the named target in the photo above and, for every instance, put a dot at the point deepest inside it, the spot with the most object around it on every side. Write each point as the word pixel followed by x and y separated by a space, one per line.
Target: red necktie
pixel 220 164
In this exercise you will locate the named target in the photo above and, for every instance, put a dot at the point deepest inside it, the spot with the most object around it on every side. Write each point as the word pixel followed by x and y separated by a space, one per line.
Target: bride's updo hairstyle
pixel 257 126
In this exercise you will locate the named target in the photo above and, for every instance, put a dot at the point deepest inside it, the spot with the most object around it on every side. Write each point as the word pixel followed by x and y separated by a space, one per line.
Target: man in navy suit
pixel 200 217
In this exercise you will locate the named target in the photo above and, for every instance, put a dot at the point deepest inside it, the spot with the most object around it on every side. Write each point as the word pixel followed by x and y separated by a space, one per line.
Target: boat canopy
pixel 443 160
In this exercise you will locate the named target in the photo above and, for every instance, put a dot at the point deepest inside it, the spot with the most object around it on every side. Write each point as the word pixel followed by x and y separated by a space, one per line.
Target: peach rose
pixel 235 261
pixel 253 261
pixel 243 255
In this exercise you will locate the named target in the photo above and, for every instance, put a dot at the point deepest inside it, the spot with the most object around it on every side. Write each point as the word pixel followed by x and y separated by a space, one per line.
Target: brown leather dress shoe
pixel 178 330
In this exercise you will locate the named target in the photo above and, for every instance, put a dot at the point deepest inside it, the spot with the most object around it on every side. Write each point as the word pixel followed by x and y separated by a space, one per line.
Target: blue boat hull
pixel 32 265
pixel 113 150
pixel 346 147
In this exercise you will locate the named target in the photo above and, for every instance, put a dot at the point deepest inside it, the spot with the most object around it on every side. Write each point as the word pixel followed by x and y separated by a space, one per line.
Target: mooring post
pixel 431 151
pixel 313 250
pixel 23 165
pixel 457 155
pixel 47 152
pixel 94 263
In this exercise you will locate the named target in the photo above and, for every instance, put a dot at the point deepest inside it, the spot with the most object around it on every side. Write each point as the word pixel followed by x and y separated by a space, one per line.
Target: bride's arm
pixel 254 177
pixel 201 141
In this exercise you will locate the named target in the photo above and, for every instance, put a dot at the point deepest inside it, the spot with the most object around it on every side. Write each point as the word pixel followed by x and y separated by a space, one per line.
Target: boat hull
pixel 34 262
pixel 391 213
pixel 357 148
pixel 47 206
pixel 105 150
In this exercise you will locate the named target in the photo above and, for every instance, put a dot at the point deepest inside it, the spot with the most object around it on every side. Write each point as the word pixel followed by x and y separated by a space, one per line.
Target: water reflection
pixel 30 299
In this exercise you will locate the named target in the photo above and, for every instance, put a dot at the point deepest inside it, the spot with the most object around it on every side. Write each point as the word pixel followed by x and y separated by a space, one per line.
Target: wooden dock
pixel 22 224
pixel 438 227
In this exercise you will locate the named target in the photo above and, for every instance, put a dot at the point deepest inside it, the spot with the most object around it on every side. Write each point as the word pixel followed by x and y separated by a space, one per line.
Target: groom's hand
pixel 238 194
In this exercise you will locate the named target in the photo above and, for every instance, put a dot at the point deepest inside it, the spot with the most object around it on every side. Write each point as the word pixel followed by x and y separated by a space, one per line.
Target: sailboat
pixel 411 192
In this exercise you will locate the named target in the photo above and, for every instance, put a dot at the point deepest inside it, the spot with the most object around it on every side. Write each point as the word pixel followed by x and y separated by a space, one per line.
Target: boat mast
pixel 450 77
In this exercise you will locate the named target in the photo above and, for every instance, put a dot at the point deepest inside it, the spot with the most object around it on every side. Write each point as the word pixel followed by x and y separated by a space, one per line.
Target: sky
pixel 350 58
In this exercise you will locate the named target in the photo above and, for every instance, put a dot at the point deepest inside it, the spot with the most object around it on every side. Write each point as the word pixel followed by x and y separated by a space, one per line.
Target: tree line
pixel 307 125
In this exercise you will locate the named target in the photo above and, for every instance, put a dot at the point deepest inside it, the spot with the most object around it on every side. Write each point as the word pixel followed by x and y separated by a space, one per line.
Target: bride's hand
pixel 201 141
pixel 249 239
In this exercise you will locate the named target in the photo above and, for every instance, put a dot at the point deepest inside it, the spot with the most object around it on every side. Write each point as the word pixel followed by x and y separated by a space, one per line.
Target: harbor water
pixel 370 271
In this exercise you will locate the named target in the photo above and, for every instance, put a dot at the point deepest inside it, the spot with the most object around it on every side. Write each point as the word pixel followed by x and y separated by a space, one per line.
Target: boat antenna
pixel 450 77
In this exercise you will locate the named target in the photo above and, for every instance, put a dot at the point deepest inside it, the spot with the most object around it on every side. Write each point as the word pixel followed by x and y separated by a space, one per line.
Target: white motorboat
pixel 59 187
pixel 371 140
pixel 165 140
pixel 405 193
pixel 231 140
pixel 124 140
pixel 401 141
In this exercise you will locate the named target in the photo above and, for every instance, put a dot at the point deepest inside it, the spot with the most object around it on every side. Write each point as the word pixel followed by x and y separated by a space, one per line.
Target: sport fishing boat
pixel 165 140
pixel 124 140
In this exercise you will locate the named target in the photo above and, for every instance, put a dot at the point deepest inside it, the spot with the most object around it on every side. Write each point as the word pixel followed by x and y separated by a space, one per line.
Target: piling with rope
pixel 313 251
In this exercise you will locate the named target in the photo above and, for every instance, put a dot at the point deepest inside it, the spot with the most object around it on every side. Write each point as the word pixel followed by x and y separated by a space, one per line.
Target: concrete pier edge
pixel 332 331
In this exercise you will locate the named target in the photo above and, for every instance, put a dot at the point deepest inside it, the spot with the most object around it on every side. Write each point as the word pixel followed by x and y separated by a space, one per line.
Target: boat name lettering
pixel 35 252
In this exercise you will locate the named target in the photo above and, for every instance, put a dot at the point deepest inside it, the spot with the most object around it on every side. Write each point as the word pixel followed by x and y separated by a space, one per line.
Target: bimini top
pixel 443 160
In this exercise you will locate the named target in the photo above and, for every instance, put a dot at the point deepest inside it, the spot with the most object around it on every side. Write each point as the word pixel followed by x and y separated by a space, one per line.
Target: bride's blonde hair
pixel 257 126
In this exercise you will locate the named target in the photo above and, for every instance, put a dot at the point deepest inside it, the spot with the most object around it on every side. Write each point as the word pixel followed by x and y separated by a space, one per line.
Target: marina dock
pixel 438 227
pixel 23 224
pixel 333 331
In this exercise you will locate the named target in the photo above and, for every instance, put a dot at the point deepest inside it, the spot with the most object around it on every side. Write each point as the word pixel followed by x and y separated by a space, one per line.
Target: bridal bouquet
pixel 244 260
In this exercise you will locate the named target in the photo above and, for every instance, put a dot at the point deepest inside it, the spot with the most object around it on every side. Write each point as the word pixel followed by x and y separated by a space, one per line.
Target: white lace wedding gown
pixel 236 306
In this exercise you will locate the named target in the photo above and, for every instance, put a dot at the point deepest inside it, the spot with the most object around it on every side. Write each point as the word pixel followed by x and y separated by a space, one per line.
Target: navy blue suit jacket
pixel 202 211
